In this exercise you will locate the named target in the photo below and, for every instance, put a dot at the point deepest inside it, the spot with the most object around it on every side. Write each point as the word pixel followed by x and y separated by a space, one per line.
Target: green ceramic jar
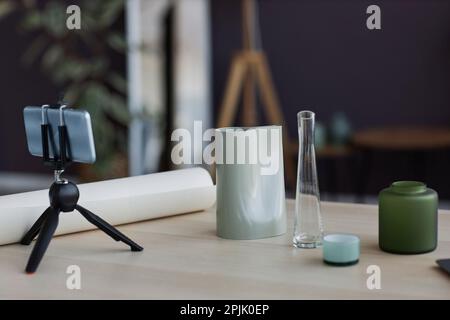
pixel 407 218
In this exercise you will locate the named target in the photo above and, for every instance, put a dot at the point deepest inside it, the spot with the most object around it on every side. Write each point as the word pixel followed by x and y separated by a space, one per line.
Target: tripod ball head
pixel 64 196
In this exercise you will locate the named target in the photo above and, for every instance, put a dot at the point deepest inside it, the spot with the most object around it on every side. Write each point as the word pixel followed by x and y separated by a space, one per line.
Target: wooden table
pixel 183 259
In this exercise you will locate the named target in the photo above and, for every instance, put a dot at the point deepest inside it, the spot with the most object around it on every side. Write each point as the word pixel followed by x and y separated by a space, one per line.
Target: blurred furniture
pixel 413 142
pixel 15 182
pixel 207 267
pixel 332 156
pixel 250 69
pixel 329 158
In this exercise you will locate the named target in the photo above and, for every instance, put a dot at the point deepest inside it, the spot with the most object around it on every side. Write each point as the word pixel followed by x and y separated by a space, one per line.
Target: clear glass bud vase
pixel 308 230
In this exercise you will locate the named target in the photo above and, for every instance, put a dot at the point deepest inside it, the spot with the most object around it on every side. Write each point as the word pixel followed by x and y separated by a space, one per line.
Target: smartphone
pixel 79 132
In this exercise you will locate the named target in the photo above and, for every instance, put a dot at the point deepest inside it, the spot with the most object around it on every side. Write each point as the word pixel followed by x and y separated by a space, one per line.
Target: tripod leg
pixel 274 113
pixel 108 229
pixel 232 91
pixel 33 232
pixel 42 242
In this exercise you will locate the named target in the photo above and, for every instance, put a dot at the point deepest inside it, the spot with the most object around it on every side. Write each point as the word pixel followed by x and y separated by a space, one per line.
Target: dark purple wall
pixel 324 58
pixel 20 86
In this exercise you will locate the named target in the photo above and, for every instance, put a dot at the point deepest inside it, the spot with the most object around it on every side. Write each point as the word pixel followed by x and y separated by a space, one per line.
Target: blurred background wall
pixel 322 57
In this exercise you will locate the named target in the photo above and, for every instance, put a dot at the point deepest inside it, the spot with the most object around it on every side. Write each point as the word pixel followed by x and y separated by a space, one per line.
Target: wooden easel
pixel 249 70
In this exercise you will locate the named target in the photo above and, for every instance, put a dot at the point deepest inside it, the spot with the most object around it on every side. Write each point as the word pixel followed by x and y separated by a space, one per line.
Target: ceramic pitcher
pixel 250 182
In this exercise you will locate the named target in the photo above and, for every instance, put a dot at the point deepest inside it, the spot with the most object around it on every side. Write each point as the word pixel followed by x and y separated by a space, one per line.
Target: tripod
pixel 64 197
pixel 249 70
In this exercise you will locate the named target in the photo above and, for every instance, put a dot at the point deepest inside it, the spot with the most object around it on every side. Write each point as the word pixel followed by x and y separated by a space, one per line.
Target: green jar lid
pixel 408 187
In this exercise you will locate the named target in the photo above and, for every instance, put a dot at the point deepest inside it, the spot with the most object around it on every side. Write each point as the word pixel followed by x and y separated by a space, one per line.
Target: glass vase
pixel 308 230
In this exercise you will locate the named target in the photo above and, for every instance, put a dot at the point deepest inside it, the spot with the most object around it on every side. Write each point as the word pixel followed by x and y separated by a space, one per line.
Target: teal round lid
pixel 341 249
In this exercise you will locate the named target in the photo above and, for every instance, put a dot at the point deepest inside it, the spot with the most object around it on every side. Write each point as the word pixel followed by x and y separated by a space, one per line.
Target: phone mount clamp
pixel 63 196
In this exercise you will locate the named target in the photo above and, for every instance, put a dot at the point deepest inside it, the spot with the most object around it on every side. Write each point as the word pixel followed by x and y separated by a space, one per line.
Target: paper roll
pixel 117 201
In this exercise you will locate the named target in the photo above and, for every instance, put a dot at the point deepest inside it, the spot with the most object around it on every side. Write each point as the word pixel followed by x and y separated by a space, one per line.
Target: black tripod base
pixel 64 198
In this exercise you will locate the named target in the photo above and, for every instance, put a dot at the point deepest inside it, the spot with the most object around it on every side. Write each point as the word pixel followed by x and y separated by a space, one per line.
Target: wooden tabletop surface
pixel 184 259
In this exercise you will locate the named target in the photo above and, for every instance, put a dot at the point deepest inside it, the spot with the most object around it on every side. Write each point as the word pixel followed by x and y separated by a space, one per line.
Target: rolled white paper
pixel 117 201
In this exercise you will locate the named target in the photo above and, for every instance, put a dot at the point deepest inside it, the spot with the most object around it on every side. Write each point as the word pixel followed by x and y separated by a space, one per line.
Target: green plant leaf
pixel 54 19
pixel 116 107
pixel 112 104
pixel 31 21
pixel 118 82
pixel 72 93
pixel 117 41
pixel 35 49
pixel 51 56
pixel 99 66
pixel 71 70
pixel 6 7
pixel 110 12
